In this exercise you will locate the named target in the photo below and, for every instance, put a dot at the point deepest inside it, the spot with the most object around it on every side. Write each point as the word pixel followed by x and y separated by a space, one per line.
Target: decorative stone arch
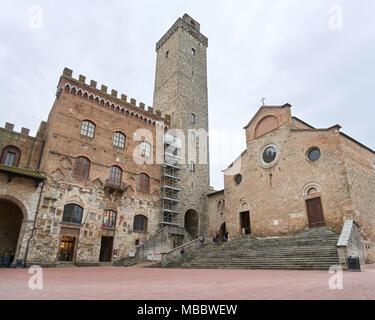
pixel 243 205
pixel 191 222
pixel 21 222
pixel 311 189
pixel 84 155
pixel 265 125
pixel 17 202
pixel 76 200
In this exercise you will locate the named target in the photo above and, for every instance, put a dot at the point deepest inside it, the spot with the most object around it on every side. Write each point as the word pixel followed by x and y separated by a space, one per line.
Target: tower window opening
pixel 192 167
pixel 166 54
pixel 193 51
pixel 192 136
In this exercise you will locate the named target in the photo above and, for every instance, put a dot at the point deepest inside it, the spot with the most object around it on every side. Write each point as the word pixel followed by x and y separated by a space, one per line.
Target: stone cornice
pixel 189 29
pixel 80 88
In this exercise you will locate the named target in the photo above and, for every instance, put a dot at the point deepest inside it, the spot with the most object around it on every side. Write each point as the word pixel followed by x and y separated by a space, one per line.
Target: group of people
pixel 6 260
pixel 218 238
pixel 202 239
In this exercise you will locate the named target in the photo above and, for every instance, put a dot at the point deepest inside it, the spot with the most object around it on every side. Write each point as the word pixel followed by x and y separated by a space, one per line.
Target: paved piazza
pixel 180 284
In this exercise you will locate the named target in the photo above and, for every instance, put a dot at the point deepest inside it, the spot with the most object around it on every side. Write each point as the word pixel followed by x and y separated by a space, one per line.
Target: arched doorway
pixel 191 223
pixel 222 230
pixel 10 225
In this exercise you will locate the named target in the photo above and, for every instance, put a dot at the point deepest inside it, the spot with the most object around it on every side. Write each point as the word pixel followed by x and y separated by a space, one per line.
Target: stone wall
pixel 163 241
pixel 29 146
pixel 350 243
pixel 23 194
pixel 216 214
pixel 360 171
pixel 175 255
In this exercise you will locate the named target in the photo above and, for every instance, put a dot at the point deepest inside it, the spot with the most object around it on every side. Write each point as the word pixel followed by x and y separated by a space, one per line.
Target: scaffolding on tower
pixel 170 201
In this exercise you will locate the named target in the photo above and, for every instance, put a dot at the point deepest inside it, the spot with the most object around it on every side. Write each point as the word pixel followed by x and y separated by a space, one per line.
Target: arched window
pixel 72 213
pixel 145 149
pixel 220 206
pixel 109 219
pixel 82 167
pixel 119 140
pixel 192 117
pixel 88 129
pixel 144 183
pixel 140 223
pixel 192 166
pixel 11 156
pixel 115 174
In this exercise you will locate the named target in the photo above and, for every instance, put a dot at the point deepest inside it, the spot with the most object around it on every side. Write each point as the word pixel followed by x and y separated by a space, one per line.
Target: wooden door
pixel 106 249
pixel 245 222
pixel 315 213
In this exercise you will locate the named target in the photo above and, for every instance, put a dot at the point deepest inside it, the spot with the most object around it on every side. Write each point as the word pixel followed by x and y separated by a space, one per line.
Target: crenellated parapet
pixel 9 127
pixel 110 99
pixel 189 25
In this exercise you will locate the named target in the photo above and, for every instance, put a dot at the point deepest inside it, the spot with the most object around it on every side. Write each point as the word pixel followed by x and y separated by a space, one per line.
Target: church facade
pixel 293 177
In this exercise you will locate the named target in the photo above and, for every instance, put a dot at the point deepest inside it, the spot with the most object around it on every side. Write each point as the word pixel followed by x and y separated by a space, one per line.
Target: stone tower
pixel 181 91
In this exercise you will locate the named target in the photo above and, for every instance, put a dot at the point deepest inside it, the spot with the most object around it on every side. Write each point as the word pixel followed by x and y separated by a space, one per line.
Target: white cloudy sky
pixel 284 50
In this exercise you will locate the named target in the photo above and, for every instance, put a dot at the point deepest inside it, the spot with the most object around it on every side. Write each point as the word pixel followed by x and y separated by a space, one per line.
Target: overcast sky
pixel 301 52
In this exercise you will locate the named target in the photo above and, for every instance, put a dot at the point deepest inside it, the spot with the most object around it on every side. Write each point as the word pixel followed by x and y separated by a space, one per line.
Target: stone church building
pixel 106 178
pixel 293 177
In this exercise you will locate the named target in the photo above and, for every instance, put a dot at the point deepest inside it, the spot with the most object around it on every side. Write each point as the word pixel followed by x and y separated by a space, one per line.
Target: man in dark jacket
pixel 182 251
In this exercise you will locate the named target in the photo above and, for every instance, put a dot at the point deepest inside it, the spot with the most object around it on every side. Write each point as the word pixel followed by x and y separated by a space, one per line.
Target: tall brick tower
pixel 181 91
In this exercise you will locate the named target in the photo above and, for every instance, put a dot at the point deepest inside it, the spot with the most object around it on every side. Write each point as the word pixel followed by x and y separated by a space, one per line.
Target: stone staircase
pixel 314 249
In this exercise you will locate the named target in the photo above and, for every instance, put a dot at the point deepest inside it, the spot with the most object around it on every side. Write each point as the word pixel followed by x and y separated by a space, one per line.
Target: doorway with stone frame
pixel 66 249
pixel 315 212
pixel 191 223
pixel 106 249
pixel 68 244
pixel 245 222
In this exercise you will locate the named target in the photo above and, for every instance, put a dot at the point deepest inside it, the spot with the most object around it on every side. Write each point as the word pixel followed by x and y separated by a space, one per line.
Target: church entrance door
pixel 245 222
pixel 315 213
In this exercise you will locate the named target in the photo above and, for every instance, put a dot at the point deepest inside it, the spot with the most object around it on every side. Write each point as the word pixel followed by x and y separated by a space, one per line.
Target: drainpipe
pixel 40 197
pixel 36 216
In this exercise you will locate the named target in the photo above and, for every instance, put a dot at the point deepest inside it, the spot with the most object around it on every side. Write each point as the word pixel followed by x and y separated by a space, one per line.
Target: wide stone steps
pixel 314 249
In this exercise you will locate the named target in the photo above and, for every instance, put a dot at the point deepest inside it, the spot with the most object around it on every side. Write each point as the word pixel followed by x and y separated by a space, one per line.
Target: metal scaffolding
pixel 170 202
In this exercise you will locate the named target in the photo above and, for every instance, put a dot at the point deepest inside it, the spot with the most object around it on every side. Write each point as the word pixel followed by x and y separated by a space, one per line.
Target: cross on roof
pixel 263 100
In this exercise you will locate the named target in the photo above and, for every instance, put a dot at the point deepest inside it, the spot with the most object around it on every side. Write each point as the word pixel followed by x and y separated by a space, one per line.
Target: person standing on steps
pixel 202 239
pixel 225 236
pixel 217 239
pixel 182 251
